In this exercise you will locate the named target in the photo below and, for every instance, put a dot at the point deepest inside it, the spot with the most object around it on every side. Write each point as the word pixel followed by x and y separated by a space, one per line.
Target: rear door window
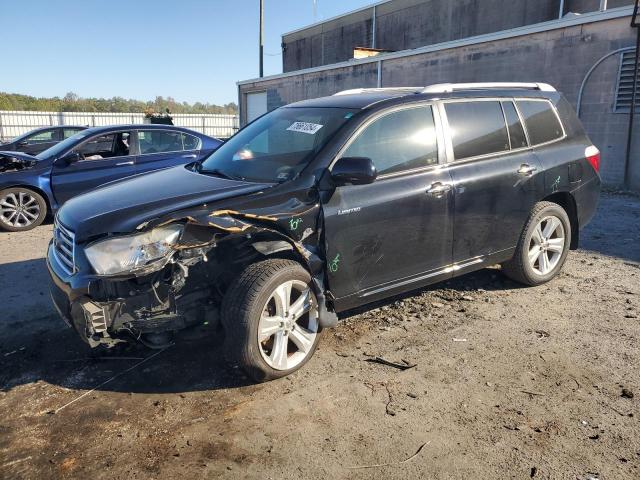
pixel 516 132
pixel 42 137
pixel 541 121
pixel 476 128
pixel 402 140
pixel 160 141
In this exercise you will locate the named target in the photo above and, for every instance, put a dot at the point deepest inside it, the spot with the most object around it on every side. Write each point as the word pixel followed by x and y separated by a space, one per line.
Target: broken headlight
pixel 127 254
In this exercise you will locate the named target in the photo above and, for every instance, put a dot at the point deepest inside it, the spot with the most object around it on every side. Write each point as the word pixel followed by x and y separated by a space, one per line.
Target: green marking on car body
pixel 294 223
pixel 334 264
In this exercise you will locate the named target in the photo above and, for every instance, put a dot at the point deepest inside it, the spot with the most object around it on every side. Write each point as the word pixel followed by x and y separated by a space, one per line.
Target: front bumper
pixel 107 312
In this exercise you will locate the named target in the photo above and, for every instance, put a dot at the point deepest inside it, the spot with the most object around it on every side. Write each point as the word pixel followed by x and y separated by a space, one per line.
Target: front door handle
pixel 526 169
pixel 438 189
pixel 124 163
pixel 190 155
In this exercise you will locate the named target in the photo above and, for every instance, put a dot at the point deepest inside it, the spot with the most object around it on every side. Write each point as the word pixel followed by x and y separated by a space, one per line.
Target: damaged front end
pixel 178 270
pixel 11 163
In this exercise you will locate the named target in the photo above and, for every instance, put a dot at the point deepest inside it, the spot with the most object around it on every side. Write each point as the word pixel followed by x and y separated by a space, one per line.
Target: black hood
pixel 11 161
pixel 121 206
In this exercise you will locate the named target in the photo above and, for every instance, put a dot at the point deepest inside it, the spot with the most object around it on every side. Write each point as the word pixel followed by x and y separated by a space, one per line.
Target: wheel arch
pixel 568 203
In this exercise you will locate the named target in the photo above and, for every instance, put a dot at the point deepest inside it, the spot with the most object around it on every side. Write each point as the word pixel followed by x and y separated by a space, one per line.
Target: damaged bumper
pixel 106 312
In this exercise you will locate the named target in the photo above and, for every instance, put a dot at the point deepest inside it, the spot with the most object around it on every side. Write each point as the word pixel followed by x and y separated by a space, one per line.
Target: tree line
pixel 73 103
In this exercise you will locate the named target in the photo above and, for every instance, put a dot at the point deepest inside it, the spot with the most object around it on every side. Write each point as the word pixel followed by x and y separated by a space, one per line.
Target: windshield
pixel 277 146
pixel 62 146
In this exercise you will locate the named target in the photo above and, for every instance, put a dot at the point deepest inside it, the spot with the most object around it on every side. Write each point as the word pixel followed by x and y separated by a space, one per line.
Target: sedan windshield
pixel 63 145
pixel 277 146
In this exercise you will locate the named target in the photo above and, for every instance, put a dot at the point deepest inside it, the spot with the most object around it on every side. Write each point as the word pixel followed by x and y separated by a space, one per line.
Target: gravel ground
pixel 509 382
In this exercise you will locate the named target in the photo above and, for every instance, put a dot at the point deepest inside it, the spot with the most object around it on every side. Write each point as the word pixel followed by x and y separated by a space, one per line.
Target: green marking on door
pixel 334 264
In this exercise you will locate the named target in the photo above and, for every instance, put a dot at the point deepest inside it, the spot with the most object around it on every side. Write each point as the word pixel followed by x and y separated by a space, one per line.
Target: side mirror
pixel 23 143
pixel 71 157
pixel 353 170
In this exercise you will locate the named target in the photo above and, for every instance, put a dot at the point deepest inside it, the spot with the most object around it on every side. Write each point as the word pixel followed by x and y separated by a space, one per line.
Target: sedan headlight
pixel 130 253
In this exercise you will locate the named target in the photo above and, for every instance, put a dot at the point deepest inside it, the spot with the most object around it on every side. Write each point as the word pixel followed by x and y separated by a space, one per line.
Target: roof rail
pixel 450 87
pixel 374 90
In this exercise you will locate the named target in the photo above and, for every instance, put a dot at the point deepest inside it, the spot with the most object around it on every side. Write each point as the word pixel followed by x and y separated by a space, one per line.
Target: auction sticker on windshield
pixel 304 127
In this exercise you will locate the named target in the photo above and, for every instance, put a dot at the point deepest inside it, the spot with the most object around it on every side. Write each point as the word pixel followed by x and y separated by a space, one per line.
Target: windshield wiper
pixel 220 173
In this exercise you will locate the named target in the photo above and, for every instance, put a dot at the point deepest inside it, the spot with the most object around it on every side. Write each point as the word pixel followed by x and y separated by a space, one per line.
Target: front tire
pixel 270 317
pixel 543 246
pixel 21 209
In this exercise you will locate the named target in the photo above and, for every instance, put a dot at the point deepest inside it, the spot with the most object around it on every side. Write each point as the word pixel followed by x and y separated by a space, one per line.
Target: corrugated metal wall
pixel 14 123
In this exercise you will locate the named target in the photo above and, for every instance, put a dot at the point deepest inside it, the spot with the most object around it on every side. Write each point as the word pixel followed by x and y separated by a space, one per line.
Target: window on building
pixel 516 132
pixel 399 141
pixel 477 128
pixel 541 120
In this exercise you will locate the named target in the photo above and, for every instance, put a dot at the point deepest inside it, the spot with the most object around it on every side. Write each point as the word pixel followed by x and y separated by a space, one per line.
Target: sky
pixel 191 50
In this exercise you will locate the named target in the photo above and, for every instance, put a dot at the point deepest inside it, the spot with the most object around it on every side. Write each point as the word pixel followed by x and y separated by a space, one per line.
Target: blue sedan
pixel 32 186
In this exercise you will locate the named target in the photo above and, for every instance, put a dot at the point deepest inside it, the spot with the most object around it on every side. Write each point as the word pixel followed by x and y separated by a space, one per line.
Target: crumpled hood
pixel 120 207
pixel 11 161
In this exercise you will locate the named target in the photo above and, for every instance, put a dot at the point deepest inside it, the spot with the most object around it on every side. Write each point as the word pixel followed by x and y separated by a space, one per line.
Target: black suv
pixel 325 205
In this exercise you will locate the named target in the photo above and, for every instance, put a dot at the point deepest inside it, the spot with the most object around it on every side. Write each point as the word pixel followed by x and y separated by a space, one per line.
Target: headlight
pixel 126 254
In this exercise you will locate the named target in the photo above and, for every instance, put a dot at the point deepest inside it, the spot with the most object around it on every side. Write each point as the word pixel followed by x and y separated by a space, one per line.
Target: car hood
pixel 120 207
pixel 11 161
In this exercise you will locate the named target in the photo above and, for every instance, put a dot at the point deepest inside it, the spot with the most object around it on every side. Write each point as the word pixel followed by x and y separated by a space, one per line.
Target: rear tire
pixel 270 317
pixel 21 209
pixel 543 246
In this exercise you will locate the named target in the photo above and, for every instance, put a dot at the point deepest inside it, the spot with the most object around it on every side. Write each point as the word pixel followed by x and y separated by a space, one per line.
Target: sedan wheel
pixel 21 209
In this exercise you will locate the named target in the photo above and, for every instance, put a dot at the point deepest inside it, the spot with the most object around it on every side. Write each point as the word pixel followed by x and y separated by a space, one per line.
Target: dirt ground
pixel 509 382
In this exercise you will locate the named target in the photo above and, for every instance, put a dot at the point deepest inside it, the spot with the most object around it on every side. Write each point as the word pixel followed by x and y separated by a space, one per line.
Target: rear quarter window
pixel 541 121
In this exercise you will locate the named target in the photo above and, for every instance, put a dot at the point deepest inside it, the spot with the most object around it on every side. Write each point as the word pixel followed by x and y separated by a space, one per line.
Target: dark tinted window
pixel 398 141
pixel 516 132
pixel 477 128
pixel 541 121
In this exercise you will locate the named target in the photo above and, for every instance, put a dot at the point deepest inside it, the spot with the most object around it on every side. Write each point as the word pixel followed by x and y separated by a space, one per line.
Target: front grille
pixel 64 247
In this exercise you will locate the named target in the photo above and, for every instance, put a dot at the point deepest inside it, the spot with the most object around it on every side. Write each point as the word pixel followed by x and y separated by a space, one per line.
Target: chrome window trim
pixel 389 111
pixel 138 130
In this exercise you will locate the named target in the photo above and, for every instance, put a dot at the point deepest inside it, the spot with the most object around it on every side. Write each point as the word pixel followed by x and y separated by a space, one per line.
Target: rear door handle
pixel 124 163
pixel 437 189
pixel 190 155
pixel 526 169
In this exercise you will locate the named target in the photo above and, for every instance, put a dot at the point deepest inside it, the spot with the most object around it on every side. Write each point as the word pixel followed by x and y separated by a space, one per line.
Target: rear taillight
pixel 592 154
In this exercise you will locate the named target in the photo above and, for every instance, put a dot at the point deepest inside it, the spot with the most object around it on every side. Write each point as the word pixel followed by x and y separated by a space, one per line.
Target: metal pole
pixel 373 28
pixel 261 38
pixel 603 5
pixel 632 112
pixel 561 12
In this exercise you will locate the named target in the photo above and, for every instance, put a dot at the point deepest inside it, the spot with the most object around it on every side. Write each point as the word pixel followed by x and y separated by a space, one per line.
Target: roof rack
pixel 451 87
pixel 374 90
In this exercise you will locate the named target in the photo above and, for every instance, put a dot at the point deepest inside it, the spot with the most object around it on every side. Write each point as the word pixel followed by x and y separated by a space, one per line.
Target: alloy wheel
pixel 19 209
pixel 546 245
pixel 288 325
